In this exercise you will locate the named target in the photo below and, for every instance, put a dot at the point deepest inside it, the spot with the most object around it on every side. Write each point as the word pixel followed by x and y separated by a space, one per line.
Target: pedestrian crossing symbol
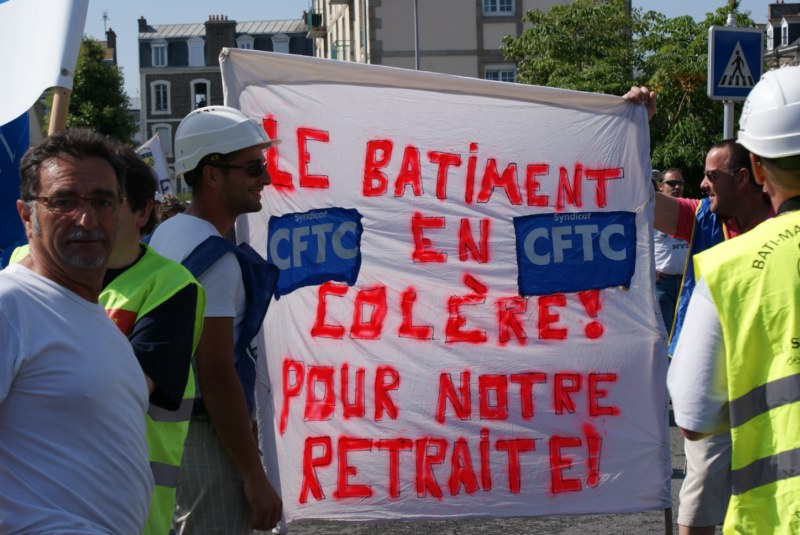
pixel 734 61
pixel 737 73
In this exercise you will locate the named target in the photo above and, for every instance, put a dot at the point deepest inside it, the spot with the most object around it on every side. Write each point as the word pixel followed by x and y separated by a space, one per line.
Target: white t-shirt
pixel 73 451
pixel 176 237
pixel 697 377
pixel 670 253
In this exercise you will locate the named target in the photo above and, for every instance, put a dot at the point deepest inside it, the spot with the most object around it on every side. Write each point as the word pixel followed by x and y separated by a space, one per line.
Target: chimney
pixel 220 32
pixel 111 43
pixel 142 24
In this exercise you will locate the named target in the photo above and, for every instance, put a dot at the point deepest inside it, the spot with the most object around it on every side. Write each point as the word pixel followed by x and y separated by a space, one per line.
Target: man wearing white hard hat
pixel 740 348
pixel 222 485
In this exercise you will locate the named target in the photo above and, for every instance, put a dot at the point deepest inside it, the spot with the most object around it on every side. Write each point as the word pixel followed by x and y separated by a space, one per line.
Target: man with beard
pixel 73 451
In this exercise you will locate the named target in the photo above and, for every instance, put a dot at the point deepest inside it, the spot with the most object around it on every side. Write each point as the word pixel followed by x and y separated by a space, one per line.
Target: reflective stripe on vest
pixel 768 470
pixel 165 475
pixel 183 413
pixel 765 397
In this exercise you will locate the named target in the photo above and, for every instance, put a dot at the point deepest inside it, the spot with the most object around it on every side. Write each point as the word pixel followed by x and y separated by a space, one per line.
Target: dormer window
pixel 770 37
pixel 245 42
pixel 280 43
pixel 159 50
pixel 197 57
pixel 498 7
pixel 784 33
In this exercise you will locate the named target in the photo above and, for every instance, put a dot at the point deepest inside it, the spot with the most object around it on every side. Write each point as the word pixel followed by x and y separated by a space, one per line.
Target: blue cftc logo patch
pixel 314 247
pixel 575 252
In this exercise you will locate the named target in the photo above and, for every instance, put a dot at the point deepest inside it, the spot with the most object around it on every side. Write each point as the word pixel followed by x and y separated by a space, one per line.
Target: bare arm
pixel 224 399
pixel 666 209
pixel 151 386
pixel 665 215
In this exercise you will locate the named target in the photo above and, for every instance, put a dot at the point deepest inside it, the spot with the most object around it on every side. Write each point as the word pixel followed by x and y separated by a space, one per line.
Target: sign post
pixel 734 66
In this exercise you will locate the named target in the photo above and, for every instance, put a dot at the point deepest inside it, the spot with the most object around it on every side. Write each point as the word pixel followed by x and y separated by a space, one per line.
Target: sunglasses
pixel 714 175
pixel 673 183
pixel 255 169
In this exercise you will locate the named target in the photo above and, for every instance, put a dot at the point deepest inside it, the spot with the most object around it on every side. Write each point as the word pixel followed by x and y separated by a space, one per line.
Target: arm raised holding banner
pixel 667 209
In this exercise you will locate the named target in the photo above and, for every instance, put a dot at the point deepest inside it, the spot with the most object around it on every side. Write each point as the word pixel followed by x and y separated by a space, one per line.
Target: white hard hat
pixel 215 129
pixel 770 122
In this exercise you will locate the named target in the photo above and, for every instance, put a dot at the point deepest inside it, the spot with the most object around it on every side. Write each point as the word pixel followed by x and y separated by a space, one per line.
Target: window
pixel 159 49
pixel 201 93
pixel 280 43
pixel 164 132
pixel 784 33
pixel 498 7
pixel 770 37
pixel 159 97
pixel 197 57
pixel 245 42
pixel 501 73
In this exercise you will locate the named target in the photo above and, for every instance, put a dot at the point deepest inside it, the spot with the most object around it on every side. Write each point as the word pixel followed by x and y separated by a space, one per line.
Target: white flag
pixel 51 31
pixel 152 153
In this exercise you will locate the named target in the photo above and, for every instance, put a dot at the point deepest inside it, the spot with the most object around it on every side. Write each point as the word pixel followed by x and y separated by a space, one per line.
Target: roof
pixel 258 27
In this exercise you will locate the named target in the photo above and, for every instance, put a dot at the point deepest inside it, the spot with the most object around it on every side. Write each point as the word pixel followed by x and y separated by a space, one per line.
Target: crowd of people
pixel 89 443
pixel 145 423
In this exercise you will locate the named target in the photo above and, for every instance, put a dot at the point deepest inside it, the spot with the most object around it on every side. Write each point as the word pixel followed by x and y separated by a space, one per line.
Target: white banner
pixel 466 323
pixel 152 153
pixel 39 44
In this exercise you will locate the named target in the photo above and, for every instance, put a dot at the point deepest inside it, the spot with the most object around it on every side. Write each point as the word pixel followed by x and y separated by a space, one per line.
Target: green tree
pixel 675 65
pixel 98 100
pixel 585 45
pixel 594 45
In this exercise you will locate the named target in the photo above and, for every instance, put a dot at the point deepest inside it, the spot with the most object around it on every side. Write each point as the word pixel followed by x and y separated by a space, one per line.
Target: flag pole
pixel 58 114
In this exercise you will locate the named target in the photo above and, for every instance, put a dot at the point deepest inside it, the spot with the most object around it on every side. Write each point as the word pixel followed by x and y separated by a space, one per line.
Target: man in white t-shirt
pixel 222 485
pixel 670 253
pixel 73 451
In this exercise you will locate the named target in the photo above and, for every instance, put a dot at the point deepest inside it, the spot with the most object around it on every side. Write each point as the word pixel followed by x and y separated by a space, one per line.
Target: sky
pixel 122 17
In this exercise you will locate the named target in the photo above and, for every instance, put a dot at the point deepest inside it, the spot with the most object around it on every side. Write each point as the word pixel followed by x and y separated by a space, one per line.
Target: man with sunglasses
pixel 73 399
pixel 734 203
pixel 222 486
pixel 670 253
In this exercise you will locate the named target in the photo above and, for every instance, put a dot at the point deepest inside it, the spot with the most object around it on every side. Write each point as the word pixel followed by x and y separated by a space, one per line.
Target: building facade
pixel 461 37
pixel 179 67
pixel 782 35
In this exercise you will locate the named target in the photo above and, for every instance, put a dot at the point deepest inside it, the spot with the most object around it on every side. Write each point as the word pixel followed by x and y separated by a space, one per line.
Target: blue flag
pixel 14 140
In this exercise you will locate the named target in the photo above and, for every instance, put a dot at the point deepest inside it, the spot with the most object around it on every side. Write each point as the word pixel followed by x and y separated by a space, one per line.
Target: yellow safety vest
pixel 141 288
pixel 755 283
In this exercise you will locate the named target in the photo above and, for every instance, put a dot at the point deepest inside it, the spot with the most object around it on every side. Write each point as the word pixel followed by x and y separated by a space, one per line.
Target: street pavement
pixel 651 522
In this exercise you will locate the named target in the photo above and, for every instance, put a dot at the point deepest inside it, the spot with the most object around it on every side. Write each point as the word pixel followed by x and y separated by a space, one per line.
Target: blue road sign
pixel 734 61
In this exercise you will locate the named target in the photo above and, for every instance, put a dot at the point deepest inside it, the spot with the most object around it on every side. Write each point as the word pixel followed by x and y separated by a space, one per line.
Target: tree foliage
pixel 98 100
pixel 594 45
pixel 565 47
